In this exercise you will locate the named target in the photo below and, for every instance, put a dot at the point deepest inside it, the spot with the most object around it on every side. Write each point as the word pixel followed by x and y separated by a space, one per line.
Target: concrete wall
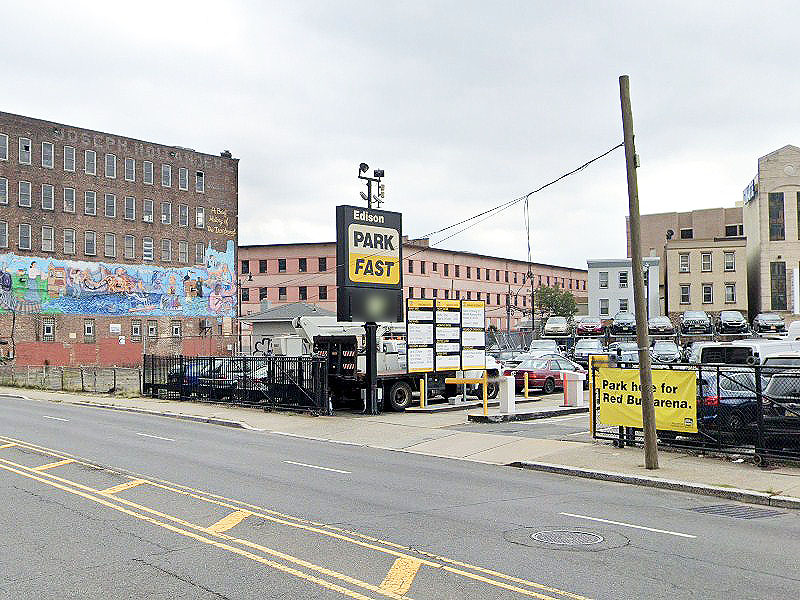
pixel 73 379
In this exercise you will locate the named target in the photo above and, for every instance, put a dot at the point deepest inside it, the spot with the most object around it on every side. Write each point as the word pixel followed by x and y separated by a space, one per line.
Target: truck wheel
pixel 400 396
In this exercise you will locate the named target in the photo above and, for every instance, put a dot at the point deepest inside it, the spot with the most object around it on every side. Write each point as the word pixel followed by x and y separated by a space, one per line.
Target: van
pixel 741 352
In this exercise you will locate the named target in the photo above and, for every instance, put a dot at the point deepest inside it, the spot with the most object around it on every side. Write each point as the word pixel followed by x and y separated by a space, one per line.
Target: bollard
pixel 422 392
pixel 526 386
pixel 485 393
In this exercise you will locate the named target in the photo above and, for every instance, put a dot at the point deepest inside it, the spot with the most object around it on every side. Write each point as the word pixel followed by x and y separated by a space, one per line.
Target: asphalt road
pixel 286 517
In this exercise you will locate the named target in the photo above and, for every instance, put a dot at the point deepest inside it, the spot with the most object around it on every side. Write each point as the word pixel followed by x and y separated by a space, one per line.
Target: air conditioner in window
pixel 147 218
pixel 165 218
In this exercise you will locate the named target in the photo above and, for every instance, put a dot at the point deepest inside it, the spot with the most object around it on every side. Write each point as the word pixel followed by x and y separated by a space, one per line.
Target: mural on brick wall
pixel 49 286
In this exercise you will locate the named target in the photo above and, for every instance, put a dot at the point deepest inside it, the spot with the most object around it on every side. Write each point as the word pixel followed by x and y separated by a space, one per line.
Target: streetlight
pixel 377 175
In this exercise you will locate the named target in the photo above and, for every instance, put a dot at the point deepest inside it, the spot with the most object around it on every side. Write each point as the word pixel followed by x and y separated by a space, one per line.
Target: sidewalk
pixel 426 434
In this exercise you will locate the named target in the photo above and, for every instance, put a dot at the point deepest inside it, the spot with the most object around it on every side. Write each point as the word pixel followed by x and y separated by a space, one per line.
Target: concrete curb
pixel 739 495
pixel 528 416
pixel 156 413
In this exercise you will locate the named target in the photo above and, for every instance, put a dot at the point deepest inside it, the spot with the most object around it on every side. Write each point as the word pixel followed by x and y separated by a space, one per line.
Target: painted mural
pixel 41 285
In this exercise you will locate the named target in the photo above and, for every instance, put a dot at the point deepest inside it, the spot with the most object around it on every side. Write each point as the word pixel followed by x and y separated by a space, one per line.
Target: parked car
pixel 665 351
pixel 728 402
pixel 544 373
pixel 549 345
pixel 660 326
pixel 769 322
pixel 731 321
pixel 697 322
pixel 626 352
pixel 585 348
pixel 556 326
pixel 589 326
pixel 624 323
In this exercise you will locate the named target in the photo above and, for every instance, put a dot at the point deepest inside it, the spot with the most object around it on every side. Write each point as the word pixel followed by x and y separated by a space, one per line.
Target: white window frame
pixel 710 288
pixel 110 162
pixel 147 248
pixel 48 164
pixel 136 329
pixel 183 215
pixel 623 305
pixel 90 166
pixel 3 146
pixel 166 213
pixel 166 250
pixel 183 251
pixel 148 203
pixel 88 328
pixel 67 191
pixel 87 235
pixel 48 243
pixel 20 228
pixel 604 304
pixel 602 281
pixel 69 159
pixel 175 327
pixel 28 194
pixel 183 178
pixel 27 154
pixel 113 238
pixel 51 196
pixel 200 182
pixel 48 329
pixel 3 234
pixel 688 289
pixel 683 266
pixel 622 275
pixel 199 253
pixel 152 328
pixel 147 172
pixel 132 163
pixel 706 259
pixel 71 233
pixel 113 205
pixel 200 217
pixel 732 256
pixel 729 286
pixel 3 190
pixel 166 175
pixel 130 203
pixel 129 247
pixel 93 195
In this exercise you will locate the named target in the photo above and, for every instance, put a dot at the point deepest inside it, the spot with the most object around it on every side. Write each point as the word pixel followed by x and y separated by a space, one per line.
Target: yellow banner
pixel 620 398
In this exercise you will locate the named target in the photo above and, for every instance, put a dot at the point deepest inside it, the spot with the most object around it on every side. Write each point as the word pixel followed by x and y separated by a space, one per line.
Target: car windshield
pixel 534 364
pixel 695 314
pixel 782 361
pixel 590 321
pixel 628 346
pixel 731 314
pixel 659 320
pixel 588 345
pixel 543 345
pixel 770 317
pixel 623 316
pixel 665 347
pixel 557 320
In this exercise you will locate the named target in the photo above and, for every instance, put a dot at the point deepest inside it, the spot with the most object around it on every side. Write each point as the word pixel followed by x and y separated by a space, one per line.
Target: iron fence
pixel 296 383
pixel 742 409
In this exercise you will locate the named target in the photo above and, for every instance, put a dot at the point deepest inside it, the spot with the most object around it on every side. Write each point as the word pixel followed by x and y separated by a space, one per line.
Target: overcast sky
pixel 464 104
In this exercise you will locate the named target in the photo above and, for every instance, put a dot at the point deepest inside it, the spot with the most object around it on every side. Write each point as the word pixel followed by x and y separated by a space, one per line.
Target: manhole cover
pixel 564 537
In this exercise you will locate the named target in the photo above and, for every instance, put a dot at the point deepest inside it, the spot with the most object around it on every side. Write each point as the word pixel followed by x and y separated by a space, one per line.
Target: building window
pixel 176 328
pixel 69 200
pixel 89 243
pixel 130 169
pixel 3 146
pixel 24 151
pixel 603 280
pixel 183 215
pixel 166 175
pixel 623 279
pixel 687 234
pixel 152 328
pixel 200 217
pixel 130 208
pixel 705 262
pixel 422 292
pixel 47 238
pixel 88 329
pixel 262 293
pixel 506 276
pixel 24 236
pixel 166 250
pixel 110 245
pixel 245 294
pixel 411 266
pixel 422 267
pixel 435 292
pixel 262 266
pixel 777 273
pixel 729 261
pixel 69 159
pixel 90 162
pixel 24 193
pixel 281 293
pixel 683 263
pixel 281 265
pixel 183 178
pixel 623 305
pixel 3 190
pixel 446 270
pixel 685 295
pixel 245 267
pixel 183 251
pixel 147 172
pixel 147 210
pixel 469 273
pixel 199 253
pixel 110 205
pixel 136 329
pixel 90 203
pixel 708 293
pixel 199 182
pixel 603 307
pixel 323 264
pixel 776 218
pixel 166 213
pixel 734 230
pixel 129 247
pixel 147 248
pixel 730 293
pixel 303 292
pixel 69 241
pixel 111 166
pixel 323 292
pixel 47 197
pixel 457 270
pixel 3 234
pixel 48 329
pixel 47 155
pixel 302 265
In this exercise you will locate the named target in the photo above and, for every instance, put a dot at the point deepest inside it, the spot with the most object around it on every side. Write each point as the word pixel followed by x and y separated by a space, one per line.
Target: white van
pixel 740 352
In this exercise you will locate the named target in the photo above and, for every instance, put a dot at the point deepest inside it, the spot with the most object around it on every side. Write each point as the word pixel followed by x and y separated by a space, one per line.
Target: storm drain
pixel 564 537
pixel 737 512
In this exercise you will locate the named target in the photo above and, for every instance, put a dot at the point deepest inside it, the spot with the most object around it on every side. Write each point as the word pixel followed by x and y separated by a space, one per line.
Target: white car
pixel 556 326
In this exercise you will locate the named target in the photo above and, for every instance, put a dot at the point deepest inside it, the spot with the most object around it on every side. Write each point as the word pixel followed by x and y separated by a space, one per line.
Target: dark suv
pixel 769 322
pixel 624 323
pixel 731 321
pixel 696 321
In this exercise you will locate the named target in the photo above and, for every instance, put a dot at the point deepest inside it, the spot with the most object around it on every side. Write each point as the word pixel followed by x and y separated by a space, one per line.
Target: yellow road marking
pixel 123 486
pixel 230 521
pixel 52 465
pixel 401 575
pixel 7 445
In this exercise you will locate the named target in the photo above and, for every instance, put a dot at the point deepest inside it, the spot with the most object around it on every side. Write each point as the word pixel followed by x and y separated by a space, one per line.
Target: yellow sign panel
pixel 415 303
pixel 620 399
pixel 374 254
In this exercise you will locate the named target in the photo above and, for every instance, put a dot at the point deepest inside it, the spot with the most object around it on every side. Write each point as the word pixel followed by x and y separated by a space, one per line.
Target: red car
pixel 543 374
pixel 589 326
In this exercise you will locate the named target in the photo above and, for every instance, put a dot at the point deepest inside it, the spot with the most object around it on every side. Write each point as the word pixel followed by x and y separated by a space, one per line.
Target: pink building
pixel 306 272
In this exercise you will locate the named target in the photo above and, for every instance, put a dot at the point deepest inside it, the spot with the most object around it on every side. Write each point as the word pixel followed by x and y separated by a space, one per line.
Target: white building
pixel 611 286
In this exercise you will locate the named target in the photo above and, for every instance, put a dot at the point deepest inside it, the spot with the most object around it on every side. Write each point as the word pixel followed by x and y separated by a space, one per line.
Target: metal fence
pixel 742 409
pixel 296 383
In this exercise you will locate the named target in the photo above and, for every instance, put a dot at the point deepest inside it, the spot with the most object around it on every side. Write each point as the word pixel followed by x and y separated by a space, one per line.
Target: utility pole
pixel 508 310
pixel 645 374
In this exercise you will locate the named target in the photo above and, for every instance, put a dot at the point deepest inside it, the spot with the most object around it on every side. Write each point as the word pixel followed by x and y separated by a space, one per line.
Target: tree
pixel 553 301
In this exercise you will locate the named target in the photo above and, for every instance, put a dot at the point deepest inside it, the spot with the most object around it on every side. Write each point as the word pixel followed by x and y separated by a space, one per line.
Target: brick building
pixel 111 246
pixel 274 274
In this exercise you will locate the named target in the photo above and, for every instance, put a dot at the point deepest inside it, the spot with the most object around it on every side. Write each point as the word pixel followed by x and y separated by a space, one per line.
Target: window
pixel 90 162
pixel 515 277
pixel 411 266
pixel 456 269
pixel 47 155
pixel 262 266
pixel 708 293
pixel 136 329
pixel 90 203
pixel 24 193
pixel 506 276
pixel 497 275
pixel 147 210
pixel 130 208
pixel 683 263
pixel 166 250
pixel 147 172
pixel 183 251
pixel 777 273
pixel 705 262
pixel 281 265
pixel 422 267
pixel 263 293
pixel 322 293
pixel 24 236
pixel 623 305
pixel 166 213
pixel 3 234
pixel 245 267
pixel 88 329
pixel 685 295
pixel 730 261
pixel 245 294
pixel 47 197
pixel 281 293
pixel 111 166
pixel 129 247
pixel 147 248
pixel 302 265
pixel 69 159
pixel 734 230
pixel 166 175
pixel 446 270
pixel 303 292
pixel 199 253
pixel 200 217
pixel 48 329
pixel 435 292
pixel 110 245
pixel 69 200
pixel 183 178
pixel 152 328
pixel 323 264
pixel 111 205
pixel 183 215
pixel 603 280
pixel 623 279
pixel 47 238
pixel 469 273
pixel 199 182
pixel 422 292
pixel 687 234
pixel 89 243
pixel 3 190
pixel 130 169
pixel 175 326
pixel 3 146
pixel 730 293
pixel 776 221
pixel 24 151
pixel 69 241
pixel 603 307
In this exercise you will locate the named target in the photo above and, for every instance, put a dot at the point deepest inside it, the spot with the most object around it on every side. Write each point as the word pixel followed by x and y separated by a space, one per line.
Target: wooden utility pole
pixel 645 375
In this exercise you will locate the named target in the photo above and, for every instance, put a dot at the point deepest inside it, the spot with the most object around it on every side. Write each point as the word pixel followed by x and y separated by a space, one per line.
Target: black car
pixel 624 323
pixel 731 321
pixel 585 348
pixel 696 321
pixel 771 322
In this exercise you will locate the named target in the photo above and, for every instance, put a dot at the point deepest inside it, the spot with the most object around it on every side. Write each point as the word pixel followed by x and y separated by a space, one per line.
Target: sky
pixel 465 105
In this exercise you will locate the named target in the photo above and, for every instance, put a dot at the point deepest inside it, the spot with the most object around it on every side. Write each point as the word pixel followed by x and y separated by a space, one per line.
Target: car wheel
pixel 549 386
pixel 400 396
pixel 492 389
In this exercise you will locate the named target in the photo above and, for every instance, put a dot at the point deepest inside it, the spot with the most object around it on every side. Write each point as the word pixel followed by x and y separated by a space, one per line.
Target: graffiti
pixel 41 285
pixel 263 347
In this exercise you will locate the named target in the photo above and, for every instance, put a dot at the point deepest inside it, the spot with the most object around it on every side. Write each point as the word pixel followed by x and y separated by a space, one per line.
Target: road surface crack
pixel 183 579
